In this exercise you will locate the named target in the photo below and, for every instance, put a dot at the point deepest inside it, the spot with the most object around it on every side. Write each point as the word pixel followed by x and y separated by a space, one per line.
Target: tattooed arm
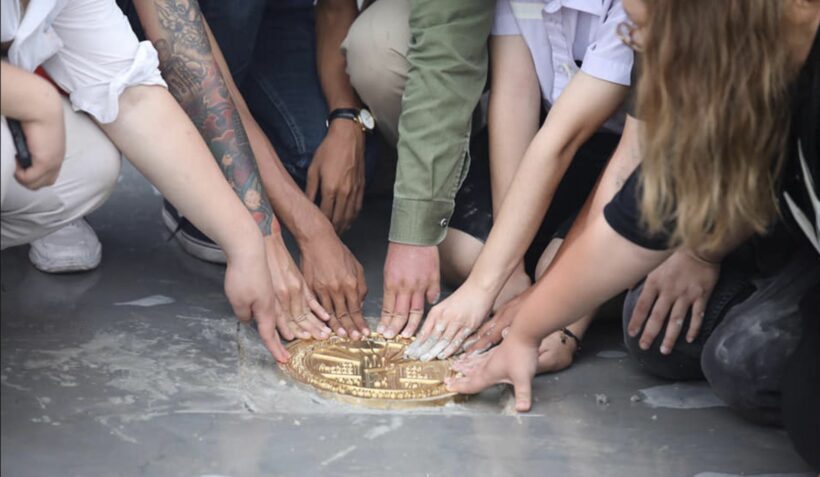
pixel 178 32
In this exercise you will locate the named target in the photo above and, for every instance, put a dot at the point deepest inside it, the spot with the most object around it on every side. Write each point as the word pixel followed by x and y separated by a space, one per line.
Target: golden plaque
pixel 372 372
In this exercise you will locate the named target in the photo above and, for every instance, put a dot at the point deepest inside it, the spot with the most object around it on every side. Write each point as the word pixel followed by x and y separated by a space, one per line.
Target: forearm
pixel 514 111
pixel 177 29
pixel 290 205
pixel 587 272
pixel 154 133
pixel 448 71
pixel 581 109
pixel 333 20
pixel 26 96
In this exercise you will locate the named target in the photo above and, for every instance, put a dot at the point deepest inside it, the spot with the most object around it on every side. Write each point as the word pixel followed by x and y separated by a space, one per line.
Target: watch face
pixel 367 119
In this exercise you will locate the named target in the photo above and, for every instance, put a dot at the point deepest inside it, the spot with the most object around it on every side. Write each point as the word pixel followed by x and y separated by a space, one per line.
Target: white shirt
pixel 560 32
pixel 86 46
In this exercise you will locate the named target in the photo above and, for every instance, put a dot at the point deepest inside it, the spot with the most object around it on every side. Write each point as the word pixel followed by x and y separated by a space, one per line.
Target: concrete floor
pixel 94 386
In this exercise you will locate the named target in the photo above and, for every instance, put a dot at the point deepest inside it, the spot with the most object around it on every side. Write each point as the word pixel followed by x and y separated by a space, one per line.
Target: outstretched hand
pixel 512 363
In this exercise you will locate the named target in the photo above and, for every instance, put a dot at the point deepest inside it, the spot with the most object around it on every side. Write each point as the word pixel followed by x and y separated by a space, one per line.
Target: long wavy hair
pixel 713 96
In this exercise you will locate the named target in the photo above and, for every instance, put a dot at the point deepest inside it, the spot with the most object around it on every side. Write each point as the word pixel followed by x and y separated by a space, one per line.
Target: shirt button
pixel 443 222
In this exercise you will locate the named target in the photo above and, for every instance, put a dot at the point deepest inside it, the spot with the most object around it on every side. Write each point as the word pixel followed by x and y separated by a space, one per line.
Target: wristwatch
pixel 362 117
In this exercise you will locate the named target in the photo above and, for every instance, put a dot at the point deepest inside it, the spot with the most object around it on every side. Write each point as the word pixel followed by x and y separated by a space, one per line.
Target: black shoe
pixel 192 240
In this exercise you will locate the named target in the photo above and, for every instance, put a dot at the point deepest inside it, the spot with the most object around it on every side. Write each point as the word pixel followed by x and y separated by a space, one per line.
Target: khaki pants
pixel 376 51
pixel 87 177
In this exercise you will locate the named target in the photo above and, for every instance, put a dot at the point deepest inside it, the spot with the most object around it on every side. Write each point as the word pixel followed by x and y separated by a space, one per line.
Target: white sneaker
pixel 73 248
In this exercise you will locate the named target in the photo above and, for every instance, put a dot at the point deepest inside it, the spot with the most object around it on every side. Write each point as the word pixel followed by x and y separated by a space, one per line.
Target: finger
pixel 642 309
pixel 332 322
pixel 415 315
pixel 433 292
pixel 488 336
pixel 361 283
pixel 522 388
pixel 427 344
pixel 297 330
pixel 242 313
pixel 695 321
pixel 328 202
pixel 350 211
pixel 388 304
pixel 312 182
pixel 298 314
pixel 475 378
pixel 443 342
pixel 660 311
pixel 315 306
pixel 267 331
pixel 283 324
pixel 455 345
pixel 674 325
pixel 339 210
pixel 342 313
pixel 311 324
pixel 400 315
pixel 354 307
pixel 424 334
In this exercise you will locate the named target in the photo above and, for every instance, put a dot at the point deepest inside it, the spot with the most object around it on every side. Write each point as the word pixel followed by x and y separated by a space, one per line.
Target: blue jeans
pixel 270 48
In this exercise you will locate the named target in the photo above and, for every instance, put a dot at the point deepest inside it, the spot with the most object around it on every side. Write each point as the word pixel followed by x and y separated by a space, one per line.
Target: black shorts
pixel 473 213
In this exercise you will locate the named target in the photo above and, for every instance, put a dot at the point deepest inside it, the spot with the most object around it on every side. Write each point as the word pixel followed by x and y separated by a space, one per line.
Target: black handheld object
pixel 23 154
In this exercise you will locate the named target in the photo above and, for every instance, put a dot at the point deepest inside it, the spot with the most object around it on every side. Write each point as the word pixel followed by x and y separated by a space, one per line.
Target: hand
pixel 450 322
pixel 249 290
pixel 299 307
pixel 45 138
pixel 512 363
pixel 338 169
pixel 679 284
pixel 554 354
pixel 496 329
pixel 337 278
pixel 411 273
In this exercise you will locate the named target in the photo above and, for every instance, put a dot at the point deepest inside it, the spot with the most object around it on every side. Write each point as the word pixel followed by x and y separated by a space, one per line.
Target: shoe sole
pixel 192 245
pixel 66 266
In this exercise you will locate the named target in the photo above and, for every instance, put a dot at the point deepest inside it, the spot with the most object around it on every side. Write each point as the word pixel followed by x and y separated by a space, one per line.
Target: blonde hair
pixel 713 97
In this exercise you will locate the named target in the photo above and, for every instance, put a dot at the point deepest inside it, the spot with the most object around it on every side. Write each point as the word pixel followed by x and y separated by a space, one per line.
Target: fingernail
pixel 389 334
pixel 406 334
pixel 341 332
pixel 644 346
pixel 365 331
pixel 326 330
pixel 355 335
pixel 664 349
pixel 469 343
pixel 380 329
pixel 690 339
pixel 632 333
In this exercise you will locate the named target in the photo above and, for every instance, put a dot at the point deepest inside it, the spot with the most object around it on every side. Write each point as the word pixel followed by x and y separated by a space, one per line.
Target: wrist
pixel 312 227
pixel 344 128
pixel 711 260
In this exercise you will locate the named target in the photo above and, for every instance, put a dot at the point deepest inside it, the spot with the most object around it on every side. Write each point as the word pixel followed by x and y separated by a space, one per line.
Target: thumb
pixel 523 394
pixel 312 187
pixel 433 293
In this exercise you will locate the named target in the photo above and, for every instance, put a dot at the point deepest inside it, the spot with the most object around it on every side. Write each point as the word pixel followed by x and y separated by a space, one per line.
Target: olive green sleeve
pixel 448 71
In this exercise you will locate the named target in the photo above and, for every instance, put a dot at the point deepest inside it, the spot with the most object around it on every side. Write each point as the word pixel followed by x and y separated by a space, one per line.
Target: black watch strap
pixel 345 113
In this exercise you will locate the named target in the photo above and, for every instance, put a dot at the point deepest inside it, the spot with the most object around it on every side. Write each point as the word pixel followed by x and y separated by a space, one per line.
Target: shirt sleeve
pixel 448 70
pixel 100 57
pixel 607 57
pixel 504 21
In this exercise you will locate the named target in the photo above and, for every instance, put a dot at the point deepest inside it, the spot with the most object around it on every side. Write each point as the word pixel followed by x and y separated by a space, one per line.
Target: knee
pixel 375 49
pixel 744 361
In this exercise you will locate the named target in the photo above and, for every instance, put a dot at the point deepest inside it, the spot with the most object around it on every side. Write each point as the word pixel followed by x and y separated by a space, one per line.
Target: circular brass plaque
pixel 372 372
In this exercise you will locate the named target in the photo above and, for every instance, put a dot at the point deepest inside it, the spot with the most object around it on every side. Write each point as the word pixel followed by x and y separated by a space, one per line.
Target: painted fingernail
pixel 380 329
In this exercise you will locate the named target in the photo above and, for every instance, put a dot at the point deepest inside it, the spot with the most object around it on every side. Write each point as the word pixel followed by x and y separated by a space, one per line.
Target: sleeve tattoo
pixel 196 82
